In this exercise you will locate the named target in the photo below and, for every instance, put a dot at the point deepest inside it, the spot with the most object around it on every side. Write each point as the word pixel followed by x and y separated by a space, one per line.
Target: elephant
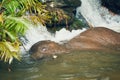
pixel 96 38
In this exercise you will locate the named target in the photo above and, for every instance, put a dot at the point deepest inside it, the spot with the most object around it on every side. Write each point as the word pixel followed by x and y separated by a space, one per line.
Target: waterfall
pixel 97 16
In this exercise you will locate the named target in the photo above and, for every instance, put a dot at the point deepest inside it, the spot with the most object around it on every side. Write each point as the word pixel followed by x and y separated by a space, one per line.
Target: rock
pixel 69 9
pixel 98 38
pixel 63 3
pixel 112 5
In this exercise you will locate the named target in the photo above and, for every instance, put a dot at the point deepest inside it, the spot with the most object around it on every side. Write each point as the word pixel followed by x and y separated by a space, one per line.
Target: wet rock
pixel 112 5
pixel 65 7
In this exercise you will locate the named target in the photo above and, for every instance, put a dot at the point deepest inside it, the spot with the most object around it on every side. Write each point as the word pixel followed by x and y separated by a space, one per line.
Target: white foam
pixel 64 34
pixel 97 15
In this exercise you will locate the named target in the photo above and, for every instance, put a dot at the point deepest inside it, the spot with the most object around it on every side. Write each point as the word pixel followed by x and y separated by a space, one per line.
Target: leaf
pixel 1 19
pixel 16 24
pixel 11 36
pixel 8 51
pixel 11 6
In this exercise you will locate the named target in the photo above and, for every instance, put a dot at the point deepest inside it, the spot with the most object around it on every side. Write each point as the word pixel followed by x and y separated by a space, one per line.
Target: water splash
pixel 65 35
pixel 97 15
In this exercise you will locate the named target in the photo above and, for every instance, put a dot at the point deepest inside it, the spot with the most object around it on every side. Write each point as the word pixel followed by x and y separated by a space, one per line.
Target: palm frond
pixel 10 35
pixel 1 19
pixel 31 7
pixel 26 6
pixel 11 6
pixel 8 51
pixel 40 14
pixel 18 25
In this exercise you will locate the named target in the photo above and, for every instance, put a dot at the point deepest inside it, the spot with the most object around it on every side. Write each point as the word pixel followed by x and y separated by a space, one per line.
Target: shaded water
pixel 83 65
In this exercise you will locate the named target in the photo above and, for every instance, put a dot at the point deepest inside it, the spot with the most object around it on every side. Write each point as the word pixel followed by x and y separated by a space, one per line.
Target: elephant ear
pixel 8 51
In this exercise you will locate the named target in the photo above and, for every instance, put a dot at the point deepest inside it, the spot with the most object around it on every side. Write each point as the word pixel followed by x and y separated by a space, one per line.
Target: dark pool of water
pixel 83 65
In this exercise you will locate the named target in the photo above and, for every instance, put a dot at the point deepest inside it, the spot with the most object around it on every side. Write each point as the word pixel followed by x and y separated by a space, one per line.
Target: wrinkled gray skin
pixel 98 38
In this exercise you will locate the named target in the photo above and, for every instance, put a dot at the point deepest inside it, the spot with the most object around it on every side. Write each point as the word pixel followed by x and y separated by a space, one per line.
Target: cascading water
pixel 96 15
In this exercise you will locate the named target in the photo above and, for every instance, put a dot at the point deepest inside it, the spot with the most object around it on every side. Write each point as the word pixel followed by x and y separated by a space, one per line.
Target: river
pixel 77 65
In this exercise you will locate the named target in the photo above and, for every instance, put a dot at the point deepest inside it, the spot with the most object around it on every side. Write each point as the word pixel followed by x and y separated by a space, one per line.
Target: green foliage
pixel 32 8
pixel 58 15
pixel 77 24
pixel 10 6
pixel 8 51
pixel 16 24
pixel 12 27
pixel 13 22
pixel 9 44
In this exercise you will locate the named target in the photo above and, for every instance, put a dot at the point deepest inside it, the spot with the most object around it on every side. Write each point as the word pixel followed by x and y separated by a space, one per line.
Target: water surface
pixel 78 65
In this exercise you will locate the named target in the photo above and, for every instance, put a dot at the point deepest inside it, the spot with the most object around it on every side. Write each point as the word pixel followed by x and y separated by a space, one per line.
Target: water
pixel 97 16
pixel 78 65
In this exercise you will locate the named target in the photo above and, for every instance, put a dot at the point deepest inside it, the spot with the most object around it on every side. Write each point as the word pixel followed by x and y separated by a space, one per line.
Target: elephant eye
pixel 44 49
